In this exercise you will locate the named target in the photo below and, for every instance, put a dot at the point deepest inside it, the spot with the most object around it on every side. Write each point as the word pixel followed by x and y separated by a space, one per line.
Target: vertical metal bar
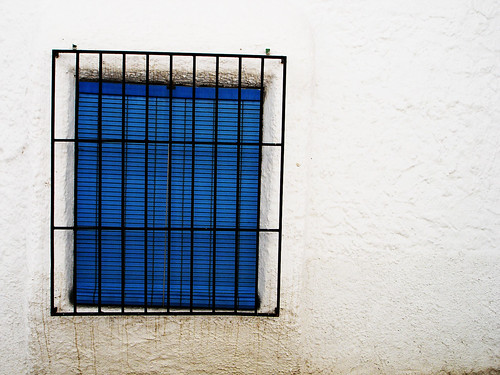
pixel 282 160
pixel 170 132
pixel 238 194
pixel 156 155
pixel 216 139
pixel 146 172
pixel 124 67
pixel 75 192
pixel 52 178
pixel 259 188
pixel 99 195
pixel 193 131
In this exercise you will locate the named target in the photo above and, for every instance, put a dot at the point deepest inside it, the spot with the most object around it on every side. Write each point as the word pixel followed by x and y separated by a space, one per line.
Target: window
pixel 167 181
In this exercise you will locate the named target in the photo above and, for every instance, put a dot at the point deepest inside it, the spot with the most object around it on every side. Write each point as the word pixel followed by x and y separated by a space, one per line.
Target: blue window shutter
pixel 109 175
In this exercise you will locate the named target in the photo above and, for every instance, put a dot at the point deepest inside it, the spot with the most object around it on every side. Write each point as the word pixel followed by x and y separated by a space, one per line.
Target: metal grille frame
pixel 147 310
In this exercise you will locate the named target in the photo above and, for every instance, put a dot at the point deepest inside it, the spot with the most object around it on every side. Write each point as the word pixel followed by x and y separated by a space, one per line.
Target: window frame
pixel 260 230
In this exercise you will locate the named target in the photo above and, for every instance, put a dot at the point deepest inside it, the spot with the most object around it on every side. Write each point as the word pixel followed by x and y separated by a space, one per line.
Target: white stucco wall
pixel 392 189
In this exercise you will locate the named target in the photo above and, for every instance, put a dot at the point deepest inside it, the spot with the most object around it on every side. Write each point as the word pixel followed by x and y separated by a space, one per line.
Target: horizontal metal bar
pixel 116 140
pixel 157 53
pixel 91 227
pixel 149 312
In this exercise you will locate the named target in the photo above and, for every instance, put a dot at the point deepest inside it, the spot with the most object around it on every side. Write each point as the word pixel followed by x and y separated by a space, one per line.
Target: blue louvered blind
pixel 166 217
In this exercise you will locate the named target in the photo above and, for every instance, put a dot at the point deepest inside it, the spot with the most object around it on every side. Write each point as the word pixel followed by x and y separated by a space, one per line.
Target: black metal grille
pixel 112 231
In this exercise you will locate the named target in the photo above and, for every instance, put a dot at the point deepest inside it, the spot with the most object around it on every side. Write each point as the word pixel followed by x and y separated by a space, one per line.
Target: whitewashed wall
pixel 392 197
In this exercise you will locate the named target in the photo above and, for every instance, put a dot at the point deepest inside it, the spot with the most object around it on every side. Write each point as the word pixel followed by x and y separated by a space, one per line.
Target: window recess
pixel 167 183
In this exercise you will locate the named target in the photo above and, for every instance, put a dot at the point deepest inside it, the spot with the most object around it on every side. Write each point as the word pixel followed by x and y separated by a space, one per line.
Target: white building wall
pixel 392 189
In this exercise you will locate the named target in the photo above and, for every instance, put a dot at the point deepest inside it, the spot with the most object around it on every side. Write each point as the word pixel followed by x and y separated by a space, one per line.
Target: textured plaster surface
pixel 392 197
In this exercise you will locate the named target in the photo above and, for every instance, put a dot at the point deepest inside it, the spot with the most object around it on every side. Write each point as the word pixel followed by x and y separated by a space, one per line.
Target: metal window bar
pixel 75 166
pixel 215 139
pixel 170 89
pixel 238 195
pixel 214 228
pixel 99 195
pixel 193 153
pixel 123 146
